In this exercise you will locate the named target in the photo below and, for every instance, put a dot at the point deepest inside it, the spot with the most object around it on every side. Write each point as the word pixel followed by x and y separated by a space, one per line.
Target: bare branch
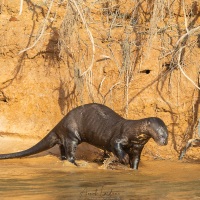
pixel 21 7
pixel 185 17
pixel 90 36
pixel 190 32
pixel 182 71
pixel 42 31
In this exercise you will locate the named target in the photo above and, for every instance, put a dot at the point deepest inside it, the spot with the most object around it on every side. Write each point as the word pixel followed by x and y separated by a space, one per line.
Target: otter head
pixel 158 130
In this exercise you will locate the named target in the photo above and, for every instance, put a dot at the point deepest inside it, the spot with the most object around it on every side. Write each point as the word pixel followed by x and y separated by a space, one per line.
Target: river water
pixel 48 178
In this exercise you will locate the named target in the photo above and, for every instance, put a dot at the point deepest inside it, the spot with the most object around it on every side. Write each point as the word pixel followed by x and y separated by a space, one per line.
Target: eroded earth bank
pixel 140 58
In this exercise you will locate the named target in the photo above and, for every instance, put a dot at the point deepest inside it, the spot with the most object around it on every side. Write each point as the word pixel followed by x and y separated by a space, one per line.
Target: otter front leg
pixel 134 155
pixel 118 150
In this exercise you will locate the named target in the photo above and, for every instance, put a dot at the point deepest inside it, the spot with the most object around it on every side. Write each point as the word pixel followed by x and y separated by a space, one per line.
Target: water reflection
pixel 155 180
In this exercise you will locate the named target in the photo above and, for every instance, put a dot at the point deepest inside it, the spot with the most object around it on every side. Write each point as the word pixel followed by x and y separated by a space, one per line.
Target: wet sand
pixel 46 177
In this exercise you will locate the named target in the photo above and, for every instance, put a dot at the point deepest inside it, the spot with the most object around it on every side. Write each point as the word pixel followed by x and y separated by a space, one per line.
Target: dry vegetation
pixel 106 45
pixel 126 28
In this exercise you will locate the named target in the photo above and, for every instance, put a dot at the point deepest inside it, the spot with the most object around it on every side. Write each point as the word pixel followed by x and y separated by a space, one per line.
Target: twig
pixel 42 31
pixel 190 32
pixel 90 36
pixel 21 7
pixel 179 65
pixel 185 17
pixel 100 85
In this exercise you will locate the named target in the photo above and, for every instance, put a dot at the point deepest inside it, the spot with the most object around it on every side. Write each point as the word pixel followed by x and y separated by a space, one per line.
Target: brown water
pixel 48 178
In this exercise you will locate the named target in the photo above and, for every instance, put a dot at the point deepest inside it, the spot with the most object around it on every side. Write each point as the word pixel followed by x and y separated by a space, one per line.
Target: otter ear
pixel 148 122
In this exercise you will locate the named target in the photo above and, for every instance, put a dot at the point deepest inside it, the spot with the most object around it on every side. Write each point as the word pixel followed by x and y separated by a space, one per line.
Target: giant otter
pixel 100 126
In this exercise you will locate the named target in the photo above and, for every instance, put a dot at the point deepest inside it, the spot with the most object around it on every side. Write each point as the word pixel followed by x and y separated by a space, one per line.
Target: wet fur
pixel 100 126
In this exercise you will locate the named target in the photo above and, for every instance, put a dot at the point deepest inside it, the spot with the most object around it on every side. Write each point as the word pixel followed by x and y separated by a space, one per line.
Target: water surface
pixel 48 178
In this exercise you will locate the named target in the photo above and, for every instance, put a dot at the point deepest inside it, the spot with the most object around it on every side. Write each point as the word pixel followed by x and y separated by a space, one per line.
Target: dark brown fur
pixel 100 126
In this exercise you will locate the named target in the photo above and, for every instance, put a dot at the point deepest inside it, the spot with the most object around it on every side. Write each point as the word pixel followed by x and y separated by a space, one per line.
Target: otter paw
pixel 125 159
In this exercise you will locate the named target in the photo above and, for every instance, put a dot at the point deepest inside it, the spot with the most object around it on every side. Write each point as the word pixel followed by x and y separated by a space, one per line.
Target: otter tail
pixel 46 143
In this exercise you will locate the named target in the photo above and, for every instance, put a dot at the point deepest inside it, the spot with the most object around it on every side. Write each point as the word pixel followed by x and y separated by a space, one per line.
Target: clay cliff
pixel 141 58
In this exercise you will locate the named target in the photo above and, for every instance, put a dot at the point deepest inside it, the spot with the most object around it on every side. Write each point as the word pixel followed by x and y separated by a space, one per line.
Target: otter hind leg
pixel 70 150
pixel 62 152
pixel 119 151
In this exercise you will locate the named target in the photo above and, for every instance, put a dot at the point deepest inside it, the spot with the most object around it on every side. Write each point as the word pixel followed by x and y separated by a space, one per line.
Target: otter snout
pixel 163 142
pixel 158 131
pixel 162 138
